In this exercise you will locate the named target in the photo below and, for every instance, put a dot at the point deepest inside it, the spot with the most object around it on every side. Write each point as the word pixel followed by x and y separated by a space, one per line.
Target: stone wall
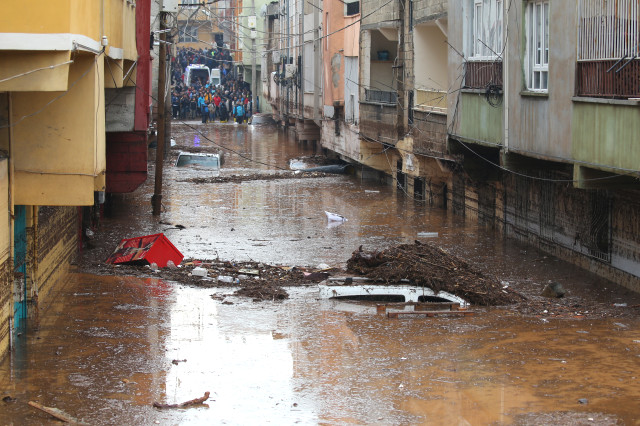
pixel 56 243
pixel 425 10
pixel 598 230
pixel 378 122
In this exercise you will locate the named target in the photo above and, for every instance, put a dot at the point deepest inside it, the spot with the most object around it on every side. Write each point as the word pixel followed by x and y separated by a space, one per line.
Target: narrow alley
pixel 108 346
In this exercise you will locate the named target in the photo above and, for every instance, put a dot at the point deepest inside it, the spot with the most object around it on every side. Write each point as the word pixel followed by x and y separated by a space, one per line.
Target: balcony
pixel 380 96
pixel 608 78
pixel 480 74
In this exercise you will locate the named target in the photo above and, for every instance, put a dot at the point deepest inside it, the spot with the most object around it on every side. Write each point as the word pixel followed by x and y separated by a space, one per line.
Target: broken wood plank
pixel 55 412
pixel 196 401
pixel 396 314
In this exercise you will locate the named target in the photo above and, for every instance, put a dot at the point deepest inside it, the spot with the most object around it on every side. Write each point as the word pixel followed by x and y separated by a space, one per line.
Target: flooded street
pixel 108 347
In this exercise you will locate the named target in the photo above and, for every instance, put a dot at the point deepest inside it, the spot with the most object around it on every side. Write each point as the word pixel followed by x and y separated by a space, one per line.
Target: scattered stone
pixel 583 401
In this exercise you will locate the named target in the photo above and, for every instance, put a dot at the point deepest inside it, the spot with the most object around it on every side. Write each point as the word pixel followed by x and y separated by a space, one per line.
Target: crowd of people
pixel 231 99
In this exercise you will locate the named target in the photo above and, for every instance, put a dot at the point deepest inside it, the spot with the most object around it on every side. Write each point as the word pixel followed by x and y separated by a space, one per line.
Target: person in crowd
pixel 231 97
pixel 175 104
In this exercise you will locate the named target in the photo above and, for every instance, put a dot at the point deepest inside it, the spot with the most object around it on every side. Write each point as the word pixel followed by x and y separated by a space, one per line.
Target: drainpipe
pixel 317 61
pixel 34 263
pixel 505 76
pixel 11 173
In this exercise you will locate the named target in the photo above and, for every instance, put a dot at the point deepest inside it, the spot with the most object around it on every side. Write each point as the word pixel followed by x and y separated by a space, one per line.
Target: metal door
pixel 20 266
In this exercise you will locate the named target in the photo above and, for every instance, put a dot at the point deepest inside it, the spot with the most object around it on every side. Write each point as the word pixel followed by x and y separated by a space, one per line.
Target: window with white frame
pixel 537 45
pixel 484 29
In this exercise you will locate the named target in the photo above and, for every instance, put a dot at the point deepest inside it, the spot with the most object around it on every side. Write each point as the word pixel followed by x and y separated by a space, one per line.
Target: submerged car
pixel 213 161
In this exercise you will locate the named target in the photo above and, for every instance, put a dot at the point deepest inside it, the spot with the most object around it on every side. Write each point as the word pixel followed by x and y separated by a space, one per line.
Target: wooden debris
pixel 197 401
pixel 426 265
pixel 55 412
pixel 396 314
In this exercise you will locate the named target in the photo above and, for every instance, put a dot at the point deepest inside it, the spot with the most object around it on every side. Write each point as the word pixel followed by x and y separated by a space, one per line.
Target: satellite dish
pixel 263 10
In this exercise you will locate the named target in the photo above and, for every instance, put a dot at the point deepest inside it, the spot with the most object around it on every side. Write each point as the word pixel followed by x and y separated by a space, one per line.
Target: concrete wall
pixel 374 14
pixel 56 243
pixel 424 10
pixel 62 147
pixel 542 124
pixel 606 133
pixel 6 269
pixel 430 58
pixel 351 92
pixel 476 120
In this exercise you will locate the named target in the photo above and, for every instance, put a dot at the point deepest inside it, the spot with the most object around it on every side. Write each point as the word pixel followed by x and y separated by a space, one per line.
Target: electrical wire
pixel 48 67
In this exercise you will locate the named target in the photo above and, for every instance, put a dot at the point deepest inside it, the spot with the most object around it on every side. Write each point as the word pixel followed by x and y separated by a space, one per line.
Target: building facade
pixel 521 115
pixel 59 62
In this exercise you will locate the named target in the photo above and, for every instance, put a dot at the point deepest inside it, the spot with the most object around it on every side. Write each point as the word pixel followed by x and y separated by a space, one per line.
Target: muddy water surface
pixel 105 346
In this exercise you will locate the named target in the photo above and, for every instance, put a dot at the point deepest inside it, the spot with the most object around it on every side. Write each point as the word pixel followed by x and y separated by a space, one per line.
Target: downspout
pixel 34 258
pixel 11 174
pixel 505 75
pixel 288 89
pixel 318 61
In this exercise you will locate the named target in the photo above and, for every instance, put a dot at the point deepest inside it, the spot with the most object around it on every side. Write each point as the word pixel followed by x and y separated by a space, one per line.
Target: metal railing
pixel 380 96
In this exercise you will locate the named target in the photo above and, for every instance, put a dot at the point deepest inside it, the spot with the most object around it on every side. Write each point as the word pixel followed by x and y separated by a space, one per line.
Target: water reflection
pixel 105 347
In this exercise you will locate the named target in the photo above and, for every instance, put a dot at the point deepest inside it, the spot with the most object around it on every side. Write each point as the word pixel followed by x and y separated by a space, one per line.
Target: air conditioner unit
pixel 170 6
pixel 289 70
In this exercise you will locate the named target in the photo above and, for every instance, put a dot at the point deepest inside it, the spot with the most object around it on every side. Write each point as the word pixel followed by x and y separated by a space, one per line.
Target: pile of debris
pixel 427 265
pixel 256 176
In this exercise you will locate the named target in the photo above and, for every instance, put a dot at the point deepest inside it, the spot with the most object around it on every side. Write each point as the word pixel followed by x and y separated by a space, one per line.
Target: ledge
pixel 532 94
pixel 433 110
pixel 390 105
pixel 477 91
pixel 626 102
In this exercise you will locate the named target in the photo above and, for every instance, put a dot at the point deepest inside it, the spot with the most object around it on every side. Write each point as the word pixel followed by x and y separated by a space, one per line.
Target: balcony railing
pixel 380 96
pixel 479 74
pixel 609 78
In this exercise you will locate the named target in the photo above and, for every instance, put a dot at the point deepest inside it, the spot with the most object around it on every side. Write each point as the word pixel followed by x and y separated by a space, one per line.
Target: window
pixel 352 8
pixel 608 29
pixel 188 34
pixel 484 29
pixel 537 54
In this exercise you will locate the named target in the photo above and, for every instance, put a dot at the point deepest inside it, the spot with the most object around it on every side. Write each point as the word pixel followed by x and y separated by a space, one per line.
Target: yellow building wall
pixel 36 16
pixel 58 143
pixel 6 295
pixel 85 17
pixel 17 62
pixel 129 33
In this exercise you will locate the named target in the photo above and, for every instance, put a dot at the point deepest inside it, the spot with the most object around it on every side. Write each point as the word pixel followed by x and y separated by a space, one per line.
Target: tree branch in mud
pixel 197 401
pixel 58 414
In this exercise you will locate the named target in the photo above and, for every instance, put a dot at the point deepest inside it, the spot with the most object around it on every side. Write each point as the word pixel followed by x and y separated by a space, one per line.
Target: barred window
pixel 608 29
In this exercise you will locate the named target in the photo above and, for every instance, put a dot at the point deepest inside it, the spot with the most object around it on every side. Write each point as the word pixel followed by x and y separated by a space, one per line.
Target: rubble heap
pixel 430 266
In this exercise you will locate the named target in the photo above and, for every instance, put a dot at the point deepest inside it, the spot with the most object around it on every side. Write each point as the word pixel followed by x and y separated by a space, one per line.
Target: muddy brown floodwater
pixel 108 347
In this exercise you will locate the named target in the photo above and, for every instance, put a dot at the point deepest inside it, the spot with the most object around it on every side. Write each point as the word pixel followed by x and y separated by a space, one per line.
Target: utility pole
pixel 156 200
pixel 254 84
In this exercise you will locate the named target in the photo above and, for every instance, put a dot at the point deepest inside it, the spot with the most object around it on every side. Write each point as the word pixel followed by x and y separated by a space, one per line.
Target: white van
pixel 215 77
pixel 195 72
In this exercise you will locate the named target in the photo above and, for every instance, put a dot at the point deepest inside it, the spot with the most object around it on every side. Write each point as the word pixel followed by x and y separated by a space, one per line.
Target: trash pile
pixel 256 176
pixel 427 265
